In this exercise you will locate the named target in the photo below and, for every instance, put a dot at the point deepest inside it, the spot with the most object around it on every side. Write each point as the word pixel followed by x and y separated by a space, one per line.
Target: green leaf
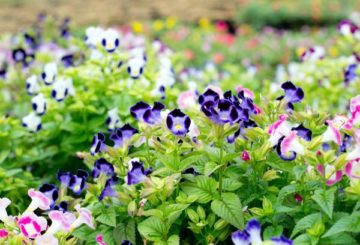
pixel 173 240
pixel 305 223
pixel 125 232
pixel 84 233
pixel 285 191
pixel 108 217
pixel 152 229
pixel 231 184
pixel 271 231
pixel 303 239
pixel 339 239
pixel 204 188
pixel 191 160
pixel 325 199
pixel 345 224
pixel 229 209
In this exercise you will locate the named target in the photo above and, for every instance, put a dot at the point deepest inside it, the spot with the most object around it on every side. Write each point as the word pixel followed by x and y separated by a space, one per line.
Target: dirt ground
pixel 15 14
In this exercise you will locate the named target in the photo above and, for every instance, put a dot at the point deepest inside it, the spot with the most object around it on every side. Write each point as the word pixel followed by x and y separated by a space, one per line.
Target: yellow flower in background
pixel 137 27
pixel 204 23
pixel 300 51
pixel 158 25
pixel 333 51
pixel 171 22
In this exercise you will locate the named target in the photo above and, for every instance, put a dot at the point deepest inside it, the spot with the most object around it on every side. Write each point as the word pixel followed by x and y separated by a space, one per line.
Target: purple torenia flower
pixel 221 112
pixel 178 122
pixel 108 190
pixel 62 206
pixel 102 166
pixel 137 172
pixel 51 192
pixel 303 132
pixel 64 177
pixel 144 113
pixel 252 235
pixel 292 95
pixel 98 144
pixel 77 181
pixel 350 73
pixel 208 96
pixel 123 135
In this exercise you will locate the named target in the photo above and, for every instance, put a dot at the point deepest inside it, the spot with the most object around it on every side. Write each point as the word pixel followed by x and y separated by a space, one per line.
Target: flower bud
pixel 245 156
pixel 132 208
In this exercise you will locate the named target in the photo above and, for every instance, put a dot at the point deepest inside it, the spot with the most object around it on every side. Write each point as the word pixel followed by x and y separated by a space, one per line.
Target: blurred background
pixel 257 13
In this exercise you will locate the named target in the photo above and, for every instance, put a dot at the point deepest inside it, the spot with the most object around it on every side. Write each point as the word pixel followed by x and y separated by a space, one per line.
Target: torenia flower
pixel 38 200
pixel 292 95
pixel 108 190
pixel 84 217
pixel 123 135
pixel 144 113
pixel 32 85
pixel 136 67
pixel 102 166
pixel 137 173
pixel 355 113
pixel 60 221
pixel 252 235
pixel 178 122
pixel 352 169
pixel 3 233
pixel 313 54
pixel 186 100
pixel 350 73
pixel 279 129
pixel 51 192
pixel 290 146
pixel 355 153
pixel 112 119
pixel 347 28
pixel 39 104
pixel 77 181
pixel 330 173
pixel 46 239
pixel 49 73
pixel 100 239
pixel 93 36
pixel 110 40
pixel 31 225
pixel 332 133
pixel 32 122
pixel 4 203
pixel 98 144
pixel 62 88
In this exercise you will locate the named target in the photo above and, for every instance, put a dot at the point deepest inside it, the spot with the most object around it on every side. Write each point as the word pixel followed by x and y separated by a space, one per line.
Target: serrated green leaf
pixel 345 224
pixel 152 229
pixel 204 188
pixel 107 217
pixel 305 223
pixel 285 191
pixel 339 239
pixel 125 232
pixel 231 184
pixel 229 209
pixel 325 199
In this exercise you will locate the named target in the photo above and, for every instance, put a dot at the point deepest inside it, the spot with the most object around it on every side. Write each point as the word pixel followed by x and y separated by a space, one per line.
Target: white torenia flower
pixel 38 200
pixel 31 225
pixel 279 129
pixel 39 104
pixel 84 217
pixel 60 221
pixel 110 40
pixel 32 85
pixel 62 88
pixel 291 144
pixel 32 122
pixel 113 119
pixel 46 239
pixel 49 73
pixel 4 203
pixel 332 133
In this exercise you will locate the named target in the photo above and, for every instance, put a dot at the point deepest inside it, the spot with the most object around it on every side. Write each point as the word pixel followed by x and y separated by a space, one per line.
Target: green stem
pixel 222 168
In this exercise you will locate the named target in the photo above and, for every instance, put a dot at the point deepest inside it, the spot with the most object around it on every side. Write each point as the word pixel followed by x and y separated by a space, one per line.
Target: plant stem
pixel 222 168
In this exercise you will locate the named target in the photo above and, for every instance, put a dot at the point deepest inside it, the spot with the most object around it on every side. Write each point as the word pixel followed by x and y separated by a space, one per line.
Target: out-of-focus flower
pixel 49 73
pixel 39 104
pixel 352 169
pixel 292 95
pixel 313 54
pixel 112 119
pixel 4 203
pixel 330 173
pixel 3 233
pixel 46 239
pixel 186 100
pixel 32 122
pixel 84 217
pixel 32 85
pixel 350 73
pixel 100 239
pixel 62 88
pixel 110 40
